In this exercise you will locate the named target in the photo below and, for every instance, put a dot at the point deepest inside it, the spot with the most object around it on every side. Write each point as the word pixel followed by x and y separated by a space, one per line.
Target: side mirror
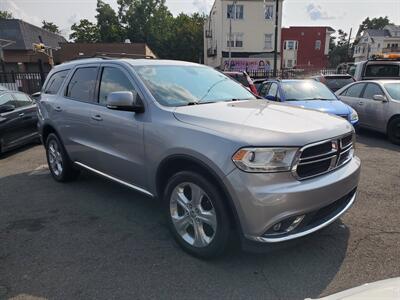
pixel 270 97
pixel 125 100
pixel 379 98
pixel 6 108
pixel 36 96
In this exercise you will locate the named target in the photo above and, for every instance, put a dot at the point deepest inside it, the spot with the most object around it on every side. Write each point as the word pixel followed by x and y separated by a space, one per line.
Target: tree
pixel 107 23
pixel 375 23
pixel 85 31
pixel 339 49
pixel 5 15
pixel 50 26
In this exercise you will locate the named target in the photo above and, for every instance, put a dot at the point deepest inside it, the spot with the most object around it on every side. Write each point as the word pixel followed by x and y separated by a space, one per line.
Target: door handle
pixel 97 118
pixel 58 108
pixel 21 115
pixel 360 103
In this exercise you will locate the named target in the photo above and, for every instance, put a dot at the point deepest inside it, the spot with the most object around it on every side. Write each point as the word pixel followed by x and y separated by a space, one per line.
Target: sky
pixel 339 14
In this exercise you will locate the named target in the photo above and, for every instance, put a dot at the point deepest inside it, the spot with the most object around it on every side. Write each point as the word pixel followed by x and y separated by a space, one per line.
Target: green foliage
pixel 50 26
pixel 339 49
pixel 375 23
pixel 5 15
pixel 84 32
pixel 147 21
pixel 107 23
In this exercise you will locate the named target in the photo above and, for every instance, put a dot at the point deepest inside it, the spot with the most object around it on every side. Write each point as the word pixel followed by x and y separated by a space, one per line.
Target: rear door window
pixel 354 91
pixel 7 99
pixel 338 82
pixel 264 89
pixel 273 90
pixel 384 70
pixel 82 84
pixel 55 81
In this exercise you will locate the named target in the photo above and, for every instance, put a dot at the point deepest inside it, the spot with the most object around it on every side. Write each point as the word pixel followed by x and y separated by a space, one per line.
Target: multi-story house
pixel 250 46
pixel 305 47
pixel 377 41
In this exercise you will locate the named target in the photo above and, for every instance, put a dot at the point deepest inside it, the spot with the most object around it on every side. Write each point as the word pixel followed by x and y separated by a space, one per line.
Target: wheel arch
pixel 396 116
pixel 176 163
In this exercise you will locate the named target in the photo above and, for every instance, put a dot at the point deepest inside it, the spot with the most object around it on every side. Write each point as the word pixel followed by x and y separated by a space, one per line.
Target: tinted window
pixel 82 84
pixel 180 85
pixel 7 99
pixel 354 91
pixel 241 78
pixel 264 89
pixel 22 100
pixel 382 70
pixel 55 81
pixel 393 89
pixel 337 83
pixel 371 90
pixel 113 80
pixel 306 90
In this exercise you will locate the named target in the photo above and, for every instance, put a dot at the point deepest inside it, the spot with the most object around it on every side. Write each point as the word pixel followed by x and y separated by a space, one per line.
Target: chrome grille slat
pixel 317 164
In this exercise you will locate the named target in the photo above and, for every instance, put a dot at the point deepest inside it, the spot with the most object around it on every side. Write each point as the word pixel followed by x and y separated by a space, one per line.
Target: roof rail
pixel 107 55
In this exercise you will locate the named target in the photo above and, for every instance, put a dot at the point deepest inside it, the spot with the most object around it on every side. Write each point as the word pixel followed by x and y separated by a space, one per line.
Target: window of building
pixel 267 41
pixel 318 45
pixel 82 84
pixel 289 63
pixel 55 82
pixel 113 80
pixel 234 11
pixel 236 40
pixel 269 11
pixel 290 45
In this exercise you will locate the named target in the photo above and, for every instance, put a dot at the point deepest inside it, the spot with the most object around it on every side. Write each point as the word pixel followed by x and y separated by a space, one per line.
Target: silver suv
pixel 221 160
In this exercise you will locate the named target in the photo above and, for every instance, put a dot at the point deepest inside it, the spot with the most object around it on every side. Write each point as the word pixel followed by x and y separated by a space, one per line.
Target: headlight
pixel 354 115
pixel 264 159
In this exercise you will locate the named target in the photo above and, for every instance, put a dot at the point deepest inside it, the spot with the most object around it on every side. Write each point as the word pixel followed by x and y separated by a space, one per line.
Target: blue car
pixel 307 94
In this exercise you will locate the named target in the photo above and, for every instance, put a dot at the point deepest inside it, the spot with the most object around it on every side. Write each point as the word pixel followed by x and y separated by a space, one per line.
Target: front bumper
pixel 264 199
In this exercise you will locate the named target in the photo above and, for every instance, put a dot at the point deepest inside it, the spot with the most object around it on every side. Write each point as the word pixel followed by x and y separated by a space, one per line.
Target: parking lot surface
pixel 95 239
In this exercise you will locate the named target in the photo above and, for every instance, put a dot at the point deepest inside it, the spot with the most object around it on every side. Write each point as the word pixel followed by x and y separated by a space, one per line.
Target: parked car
pixel 258 82
pixel 377 103
pixel 244 79
pixel 219 158
pixel 307 94
pixel 334 81
pixel 377 68
pixel 18 120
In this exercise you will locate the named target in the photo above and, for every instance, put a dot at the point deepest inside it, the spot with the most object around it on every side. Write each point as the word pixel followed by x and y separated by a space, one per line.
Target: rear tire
pixel 60 166
pixel 394 131
pixel 196 214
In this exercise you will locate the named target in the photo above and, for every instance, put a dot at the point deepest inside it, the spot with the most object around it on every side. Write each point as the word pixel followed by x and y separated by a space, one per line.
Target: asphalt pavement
pixel 95 239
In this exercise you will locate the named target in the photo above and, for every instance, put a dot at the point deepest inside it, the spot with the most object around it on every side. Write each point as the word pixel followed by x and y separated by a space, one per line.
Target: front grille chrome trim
pixel 337 149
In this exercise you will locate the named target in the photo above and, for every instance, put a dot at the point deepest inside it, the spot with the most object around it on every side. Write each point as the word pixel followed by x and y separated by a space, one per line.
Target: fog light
pixel 295 223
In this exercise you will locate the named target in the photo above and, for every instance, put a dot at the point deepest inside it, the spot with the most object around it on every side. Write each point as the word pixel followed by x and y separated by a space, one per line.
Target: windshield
pixel 183 85
pixel 306 90
pixel 393 89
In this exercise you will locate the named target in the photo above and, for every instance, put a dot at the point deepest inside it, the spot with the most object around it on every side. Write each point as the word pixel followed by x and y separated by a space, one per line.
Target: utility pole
pixel 276 38
pixel 232 13
pixel 348 46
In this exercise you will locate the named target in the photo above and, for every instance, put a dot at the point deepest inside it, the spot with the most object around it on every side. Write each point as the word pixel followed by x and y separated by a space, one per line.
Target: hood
pixel 388 289
pixel 264 123
pixel 334 107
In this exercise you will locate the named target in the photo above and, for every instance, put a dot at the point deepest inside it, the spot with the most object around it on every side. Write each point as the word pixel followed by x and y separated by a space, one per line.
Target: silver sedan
pixel 377 103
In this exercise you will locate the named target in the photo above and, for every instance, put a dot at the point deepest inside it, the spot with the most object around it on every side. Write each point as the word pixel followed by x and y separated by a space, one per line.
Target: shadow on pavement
pixel 18 150
pixel 375 139
pixel 95 239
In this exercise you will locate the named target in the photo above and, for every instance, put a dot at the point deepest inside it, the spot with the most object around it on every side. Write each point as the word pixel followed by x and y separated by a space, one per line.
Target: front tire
pixel 394 131
pixel 196 215
pixel 60 166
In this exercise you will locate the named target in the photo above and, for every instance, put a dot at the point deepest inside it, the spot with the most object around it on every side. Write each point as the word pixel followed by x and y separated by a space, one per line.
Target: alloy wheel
pixel 193 214
pixel 55 158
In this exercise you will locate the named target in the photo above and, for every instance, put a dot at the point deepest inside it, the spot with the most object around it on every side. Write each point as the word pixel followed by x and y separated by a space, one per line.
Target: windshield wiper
pixel 315 98
pixel 199 102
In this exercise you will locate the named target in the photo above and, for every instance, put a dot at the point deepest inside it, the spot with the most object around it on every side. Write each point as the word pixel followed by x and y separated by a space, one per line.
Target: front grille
pixel 322 157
